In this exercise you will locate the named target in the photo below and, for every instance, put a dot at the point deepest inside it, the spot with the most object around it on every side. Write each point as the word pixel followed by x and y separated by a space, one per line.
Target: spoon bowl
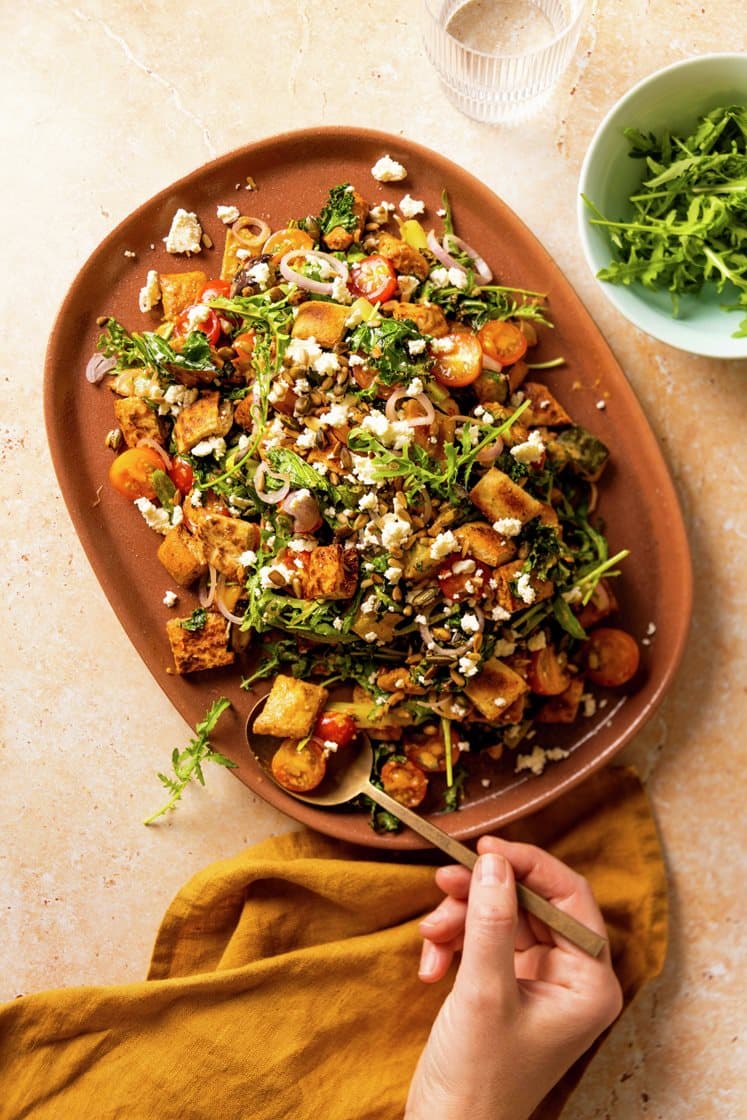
pixel 349 776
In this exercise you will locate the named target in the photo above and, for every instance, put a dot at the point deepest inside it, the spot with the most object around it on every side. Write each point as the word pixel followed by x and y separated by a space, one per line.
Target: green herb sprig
pixel 187 764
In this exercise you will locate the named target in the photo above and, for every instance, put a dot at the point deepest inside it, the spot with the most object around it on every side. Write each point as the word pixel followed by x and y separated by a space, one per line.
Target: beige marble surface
pixel 106 102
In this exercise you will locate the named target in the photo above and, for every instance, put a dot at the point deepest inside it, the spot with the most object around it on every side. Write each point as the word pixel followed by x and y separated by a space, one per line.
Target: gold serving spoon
pixel 352 777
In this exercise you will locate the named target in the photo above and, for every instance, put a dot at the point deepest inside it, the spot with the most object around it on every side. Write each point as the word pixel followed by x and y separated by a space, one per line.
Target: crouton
pixel 291 708
pixel 224 539
pixel 562 708
pixel 180 290
pixel 494 689
pixel 182 555
pixel 507 578
pixel 544 410
pixel 481 541
pixel 322 321
pixel 138 421
pixel 204 648
pixel 207 416
pixel 339 239
pixel 428 318
pixel 398 680
pixel 497 497
pixel 402 256
pixel 332 573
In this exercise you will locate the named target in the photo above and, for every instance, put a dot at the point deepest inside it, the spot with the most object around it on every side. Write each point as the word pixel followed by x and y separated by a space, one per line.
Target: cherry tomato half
pixel 502 341
pixel 215 289
pixel 611 657
pixel 373 278
pixel 335 727
pixel 547 675
pixel 299 770
pixel 198 317
pixel 462 578
pixel 457 359
pixel 405 782
pixel 283 240
pixel 131 472
pixel 182 475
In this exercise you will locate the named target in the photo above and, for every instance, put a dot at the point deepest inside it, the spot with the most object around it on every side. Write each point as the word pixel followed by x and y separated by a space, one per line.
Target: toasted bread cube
pixel 506 578
pixel 137 421
pixel 180 290
pixel 403 257
pixel 324 322
pixel 291 708
pixel 332 573
pixel 182 555
pixel 428 318
pixel 197 650
pixel 207 416
pixel 224 539
pixel 497 497
pixel 494 689
pixel 481 541
pixel 545 410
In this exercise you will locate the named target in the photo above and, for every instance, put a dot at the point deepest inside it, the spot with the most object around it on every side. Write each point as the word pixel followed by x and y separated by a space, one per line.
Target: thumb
pixel 490 930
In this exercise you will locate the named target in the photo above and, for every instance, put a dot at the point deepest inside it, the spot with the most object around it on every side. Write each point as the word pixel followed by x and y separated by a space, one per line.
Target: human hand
pixel 525 1003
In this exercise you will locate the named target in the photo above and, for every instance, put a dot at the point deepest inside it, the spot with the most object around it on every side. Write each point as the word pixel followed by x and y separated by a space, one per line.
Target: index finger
pixel 551 878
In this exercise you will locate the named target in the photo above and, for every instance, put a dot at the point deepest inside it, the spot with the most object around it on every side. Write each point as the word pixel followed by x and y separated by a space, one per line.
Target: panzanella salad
pixel 345 448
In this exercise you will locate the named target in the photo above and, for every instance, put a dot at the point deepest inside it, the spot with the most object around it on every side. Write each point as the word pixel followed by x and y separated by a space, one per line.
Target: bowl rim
pixel 713 347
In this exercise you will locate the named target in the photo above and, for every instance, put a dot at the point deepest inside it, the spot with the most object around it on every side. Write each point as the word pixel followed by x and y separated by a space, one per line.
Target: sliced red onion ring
pixel 251 232
pixel 491 363
pixel 491 452
pixel 319 287
pixel 301 505
pixel 440 253
pixel 146 442
pixel 271 497
pixel 98 367
pixel 206 592
pixel 236 619
pixel 481 267
pixel 429 413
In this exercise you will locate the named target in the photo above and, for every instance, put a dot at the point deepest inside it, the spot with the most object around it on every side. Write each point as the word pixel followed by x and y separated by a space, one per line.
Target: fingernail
pixel 428 959
pixel 433 920
pixel 491 869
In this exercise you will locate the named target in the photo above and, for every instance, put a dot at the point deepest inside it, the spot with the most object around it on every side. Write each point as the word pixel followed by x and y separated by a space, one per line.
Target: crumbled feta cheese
pixel 381 212
pixel 335 416
pixel 392 433
pixel 407 285
pixel 537 760
pixel 394 530
pixel 213 445
pixel 338 624
pixel 537 641
pixel 411 207
pixel 575 595
pixel 150 293
pixel 185 235
pixel 415 388
pixel 443 545
pixel 601 405
pixel 248 559
pixel 371 636
pixel 369 605
pixel 590 704
pixel 388 170
pixel 228 214
pixel 462 567
pixel 499 614
pixel 364 470
pixel 421 620
pixel 416 346
pixel 467 666
pixel 507 526
pixel 340 291
pixel 355 359
pixel 326 363
pixel 368 501
pixel 259 274
pixel 169 598
pixel 503 648
pixel 302 351
pixel 651 629
pixel 500 702
pixel 155 518
pixel 524 588
pixel 442 345
pixel 531 451
pixel 470 623
pixel 307 439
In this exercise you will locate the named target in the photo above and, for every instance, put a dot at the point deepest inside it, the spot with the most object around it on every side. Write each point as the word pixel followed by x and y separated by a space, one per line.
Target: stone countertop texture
pixel 104 103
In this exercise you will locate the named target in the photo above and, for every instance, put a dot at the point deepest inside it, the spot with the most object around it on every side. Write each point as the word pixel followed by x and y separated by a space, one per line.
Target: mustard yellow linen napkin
pixel 284 981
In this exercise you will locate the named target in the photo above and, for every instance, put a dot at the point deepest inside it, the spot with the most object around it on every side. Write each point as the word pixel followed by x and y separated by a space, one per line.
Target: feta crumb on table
pixel 388 170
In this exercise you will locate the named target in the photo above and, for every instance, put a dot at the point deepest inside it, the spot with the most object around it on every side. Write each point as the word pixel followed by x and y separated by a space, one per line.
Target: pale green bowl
pixel 673 98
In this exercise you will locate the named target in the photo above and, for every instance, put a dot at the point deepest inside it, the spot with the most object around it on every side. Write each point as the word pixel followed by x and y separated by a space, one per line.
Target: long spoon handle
pixel 581 936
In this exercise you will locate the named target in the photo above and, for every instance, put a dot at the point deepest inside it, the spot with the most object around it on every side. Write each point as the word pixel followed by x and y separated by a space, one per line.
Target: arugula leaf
pixel 150 349
pixel 187 764
pixel 385 342
pixel 301 475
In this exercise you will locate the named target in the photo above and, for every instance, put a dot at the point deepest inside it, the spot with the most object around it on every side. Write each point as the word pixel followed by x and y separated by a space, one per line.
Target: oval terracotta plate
pixel 293 173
